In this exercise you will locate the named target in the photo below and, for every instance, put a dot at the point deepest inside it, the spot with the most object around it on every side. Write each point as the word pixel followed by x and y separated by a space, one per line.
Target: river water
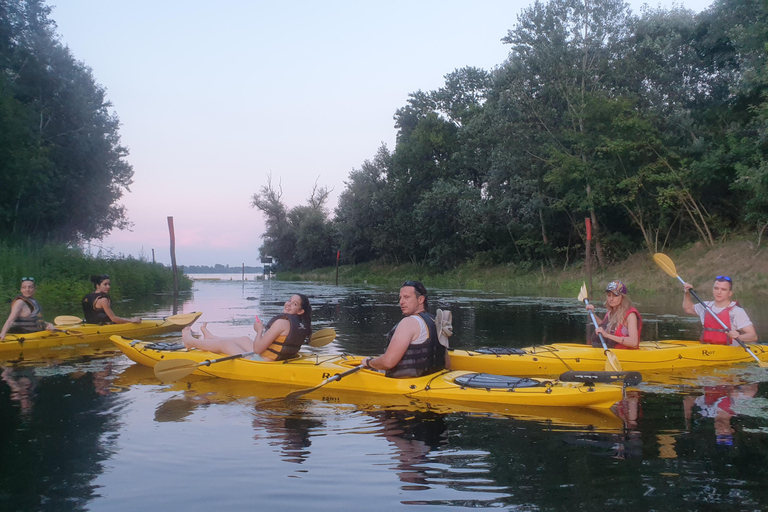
pixel 86 429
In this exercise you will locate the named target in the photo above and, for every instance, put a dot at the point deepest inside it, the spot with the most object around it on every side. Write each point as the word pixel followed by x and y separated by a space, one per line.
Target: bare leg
pixel 230 346
pixel 205 331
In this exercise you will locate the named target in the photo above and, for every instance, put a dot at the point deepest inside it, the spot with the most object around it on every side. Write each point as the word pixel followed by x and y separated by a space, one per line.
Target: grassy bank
pixel 63 274
pixel 742 260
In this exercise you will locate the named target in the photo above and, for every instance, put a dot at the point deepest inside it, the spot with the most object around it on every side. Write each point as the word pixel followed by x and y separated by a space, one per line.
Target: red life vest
pixel 713 332
pixel 618 330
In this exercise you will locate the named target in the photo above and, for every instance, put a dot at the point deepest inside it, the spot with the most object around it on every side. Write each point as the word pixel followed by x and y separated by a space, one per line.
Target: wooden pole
pixel 243 271
pixel 588 260
pixel 153 256
pixel 338 254
pixel 173 257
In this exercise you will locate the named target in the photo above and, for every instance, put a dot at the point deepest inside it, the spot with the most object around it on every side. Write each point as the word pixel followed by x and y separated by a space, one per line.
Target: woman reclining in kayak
pixel 622 324
pixel 26 314
pixel 97 305
pixel 284 336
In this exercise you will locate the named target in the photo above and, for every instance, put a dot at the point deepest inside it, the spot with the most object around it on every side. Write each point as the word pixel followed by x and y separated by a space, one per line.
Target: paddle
pixel 668 266
pixel 611 361
pixel 338 376
pixel 181 319
pixel 71 332
pixel 627 378
pixel 169 370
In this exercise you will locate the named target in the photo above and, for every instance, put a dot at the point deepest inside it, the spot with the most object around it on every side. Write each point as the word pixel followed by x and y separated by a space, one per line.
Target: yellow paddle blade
pixel 583 292
pixel 666 263
pixel 322 337
pixel 169 370
pixel 67 320
pixel 612 363
pixel 184 319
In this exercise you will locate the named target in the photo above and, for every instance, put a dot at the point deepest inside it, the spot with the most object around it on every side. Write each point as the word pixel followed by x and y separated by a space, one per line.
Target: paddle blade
pixel 583 292
pixel 184 319
pixel 322 337
pixel 612 363
pixel 67 320
pixel 170 370
pixel 666 263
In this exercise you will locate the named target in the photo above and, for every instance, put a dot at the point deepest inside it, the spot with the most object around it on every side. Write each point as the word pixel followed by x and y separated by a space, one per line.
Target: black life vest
pixel 30 323
pixel 285 347
pixel 421 359
pixel 93 315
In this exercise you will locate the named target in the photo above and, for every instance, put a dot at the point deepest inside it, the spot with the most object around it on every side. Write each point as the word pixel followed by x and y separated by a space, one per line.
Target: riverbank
pixel 742 260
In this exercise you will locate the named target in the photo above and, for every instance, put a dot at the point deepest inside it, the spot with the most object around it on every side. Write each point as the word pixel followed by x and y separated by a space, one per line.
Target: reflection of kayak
pixel 554 359
pixel 91 333
pixel 204 390
pixel 448 386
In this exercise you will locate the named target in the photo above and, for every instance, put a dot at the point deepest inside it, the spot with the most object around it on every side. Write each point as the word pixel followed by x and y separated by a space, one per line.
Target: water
pixel 86 429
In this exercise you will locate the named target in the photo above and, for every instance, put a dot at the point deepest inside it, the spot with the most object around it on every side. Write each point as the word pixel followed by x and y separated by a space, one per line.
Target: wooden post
pixel 153 256
pixel 338 254
pixel 588 260
pixel 173 257
pixel 243 271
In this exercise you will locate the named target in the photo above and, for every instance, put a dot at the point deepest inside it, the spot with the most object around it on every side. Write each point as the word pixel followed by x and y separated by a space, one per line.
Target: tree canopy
pixel 62 165
pixel 652 125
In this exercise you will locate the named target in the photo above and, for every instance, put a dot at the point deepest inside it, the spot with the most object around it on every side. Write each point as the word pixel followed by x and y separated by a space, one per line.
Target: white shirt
pixel 739 318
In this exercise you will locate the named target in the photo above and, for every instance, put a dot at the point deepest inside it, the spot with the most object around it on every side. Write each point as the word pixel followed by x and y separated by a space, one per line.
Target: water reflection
pixel 717 403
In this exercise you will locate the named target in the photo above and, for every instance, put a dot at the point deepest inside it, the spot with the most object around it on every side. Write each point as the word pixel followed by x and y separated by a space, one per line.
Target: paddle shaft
pixel 709 310
pixel 594 322
pixel 338 376
pixel 209 362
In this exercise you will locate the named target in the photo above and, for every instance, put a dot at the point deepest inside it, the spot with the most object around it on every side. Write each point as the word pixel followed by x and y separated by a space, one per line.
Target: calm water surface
pixel 86 429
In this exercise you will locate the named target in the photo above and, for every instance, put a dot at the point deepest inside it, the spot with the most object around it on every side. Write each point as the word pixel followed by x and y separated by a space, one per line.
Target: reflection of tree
pixel 717 403
pixel 52 447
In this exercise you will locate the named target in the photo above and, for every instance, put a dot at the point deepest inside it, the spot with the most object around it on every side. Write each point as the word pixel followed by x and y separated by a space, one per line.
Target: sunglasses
pixel 416 286
pixel 723 278
pixel 27 279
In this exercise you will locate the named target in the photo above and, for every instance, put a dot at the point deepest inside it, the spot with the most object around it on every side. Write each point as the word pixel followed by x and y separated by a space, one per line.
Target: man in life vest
pixel 729 312
pixel 414 347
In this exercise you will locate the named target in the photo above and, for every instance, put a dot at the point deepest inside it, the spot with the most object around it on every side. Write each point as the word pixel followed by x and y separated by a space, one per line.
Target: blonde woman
pixel 622 324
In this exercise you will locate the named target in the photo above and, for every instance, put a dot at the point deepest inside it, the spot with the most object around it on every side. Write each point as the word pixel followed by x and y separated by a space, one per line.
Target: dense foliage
pixel 654 126
pixel 62 166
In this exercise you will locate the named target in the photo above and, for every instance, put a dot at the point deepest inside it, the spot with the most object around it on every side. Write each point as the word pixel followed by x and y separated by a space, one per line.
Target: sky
pixel 216 97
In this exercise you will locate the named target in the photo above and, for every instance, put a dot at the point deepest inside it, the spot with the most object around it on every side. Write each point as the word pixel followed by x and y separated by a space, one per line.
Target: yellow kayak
pixel 307 371
pixel 196 391
pixel 75 334
pixel 554 359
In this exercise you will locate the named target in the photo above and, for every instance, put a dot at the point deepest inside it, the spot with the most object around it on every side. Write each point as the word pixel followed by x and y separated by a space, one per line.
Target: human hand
pixel 258 326
pixel 49 327
pixel 687 287
pixel 600 330
pixel 591 307
pixel 136 320
pixel 733 334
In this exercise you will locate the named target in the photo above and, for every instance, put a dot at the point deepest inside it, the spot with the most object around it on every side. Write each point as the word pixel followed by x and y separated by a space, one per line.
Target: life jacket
pixel 30 323
pixel 285 347
pixel 423 358
pixel 93 315
pixel 713 332
pixel 618 331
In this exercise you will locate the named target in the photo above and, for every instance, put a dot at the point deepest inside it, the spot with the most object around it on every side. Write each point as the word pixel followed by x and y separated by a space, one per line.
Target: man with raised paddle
pixel 729 312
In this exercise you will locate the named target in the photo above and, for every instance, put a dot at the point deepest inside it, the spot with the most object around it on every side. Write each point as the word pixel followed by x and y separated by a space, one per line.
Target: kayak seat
pixel 490 381
pixel 500 351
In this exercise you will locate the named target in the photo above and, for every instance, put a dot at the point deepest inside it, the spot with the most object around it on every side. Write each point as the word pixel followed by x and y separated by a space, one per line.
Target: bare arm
pixel 15 312
pixel 263 340
pixel 106 305
pixel 407 330
pixel 632 340
pixel 747 334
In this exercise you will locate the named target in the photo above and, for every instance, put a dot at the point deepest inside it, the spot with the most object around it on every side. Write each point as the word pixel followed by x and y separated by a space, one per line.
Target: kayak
pixel 80 333
pixel 310 370
pixel 553 359
pixel 201 391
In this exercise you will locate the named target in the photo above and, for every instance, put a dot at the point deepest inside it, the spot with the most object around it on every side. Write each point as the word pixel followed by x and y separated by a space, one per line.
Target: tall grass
pixel 62 274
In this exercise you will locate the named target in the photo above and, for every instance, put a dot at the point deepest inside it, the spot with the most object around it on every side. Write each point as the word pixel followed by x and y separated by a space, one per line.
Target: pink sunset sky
pixel 215 96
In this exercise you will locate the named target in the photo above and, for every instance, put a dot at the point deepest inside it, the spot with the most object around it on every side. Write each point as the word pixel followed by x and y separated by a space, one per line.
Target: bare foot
pixel 205 331
pixel 187 338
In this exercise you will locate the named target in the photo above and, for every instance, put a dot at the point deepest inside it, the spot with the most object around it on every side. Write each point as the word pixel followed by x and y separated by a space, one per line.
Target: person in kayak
pixel 26 314
pixel 97 305
pixel 728 311
pixel 414 348
pixel 284 335
pixel 622 324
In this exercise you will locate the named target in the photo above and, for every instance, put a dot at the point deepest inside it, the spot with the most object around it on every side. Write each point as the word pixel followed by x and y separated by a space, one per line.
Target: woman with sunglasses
pixel 622 324
pixel 97 305
pixel 728 311
pixel 26 314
